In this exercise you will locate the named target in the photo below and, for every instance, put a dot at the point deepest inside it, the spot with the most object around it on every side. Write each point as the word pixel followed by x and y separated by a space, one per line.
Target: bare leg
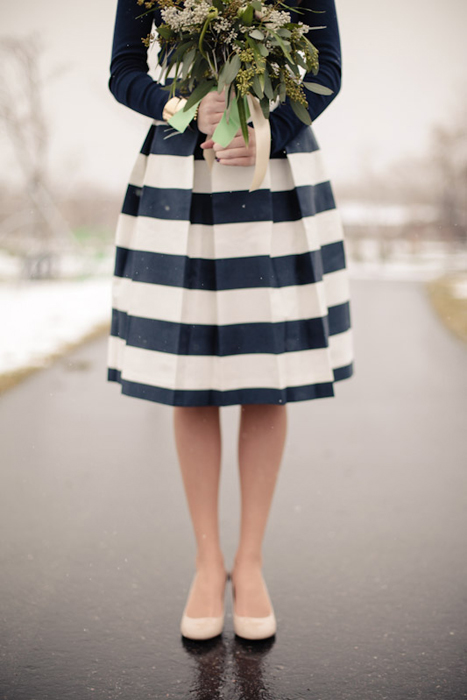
pixel 198 442
pixel 263 429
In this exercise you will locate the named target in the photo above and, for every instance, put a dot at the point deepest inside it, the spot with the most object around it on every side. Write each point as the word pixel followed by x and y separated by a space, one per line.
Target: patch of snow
pixel 42 317
pixel 459 289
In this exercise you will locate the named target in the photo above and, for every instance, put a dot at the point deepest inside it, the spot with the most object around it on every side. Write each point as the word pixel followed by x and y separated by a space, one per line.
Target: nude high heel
pixel 201 627
pixel 254 627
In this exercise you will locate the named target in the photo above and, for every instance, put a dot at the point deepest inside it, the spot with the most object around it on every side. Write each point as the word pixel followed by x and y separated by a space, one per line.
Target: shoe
pixel 201 627
pixel 254 627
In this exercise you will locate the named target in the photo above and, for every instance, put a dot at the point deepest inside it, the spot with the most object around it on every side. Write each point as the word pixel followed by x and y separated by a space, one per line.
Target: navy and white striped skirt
pixel 223 296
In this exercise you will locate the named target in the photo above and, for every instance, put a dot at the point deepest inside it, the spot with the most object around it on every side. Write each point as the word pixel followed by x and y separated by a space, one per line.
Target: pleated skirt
pixel 223 296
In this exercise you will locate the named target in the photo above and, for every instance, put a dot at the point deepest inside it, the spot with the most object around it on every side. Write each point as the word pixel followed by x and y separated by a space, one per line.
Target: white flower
pixel 302 28
pixel 193 13
pixel 276 19
pixel 222 24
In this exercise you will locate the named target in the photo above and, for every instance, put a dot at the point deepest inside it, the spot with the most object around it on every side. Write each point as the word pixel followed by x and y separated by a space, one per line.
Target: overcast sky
pixel 403 70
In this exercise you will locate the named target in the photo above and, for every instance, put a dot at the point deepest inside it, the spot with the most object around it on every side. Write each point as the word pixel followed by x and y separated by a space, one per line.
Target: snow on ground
pixel 40 318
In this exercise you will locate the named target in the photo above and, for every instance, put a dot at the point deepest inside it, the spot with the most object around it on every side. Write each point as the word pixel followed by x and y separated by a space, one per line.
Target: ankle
pixel 248 560
pixel 210 561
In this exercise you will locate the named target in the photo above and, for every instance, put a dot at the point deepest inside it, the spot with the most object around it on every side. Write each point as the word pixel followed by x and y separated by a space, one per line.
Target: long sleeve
pixel 285 125
pixel 129 80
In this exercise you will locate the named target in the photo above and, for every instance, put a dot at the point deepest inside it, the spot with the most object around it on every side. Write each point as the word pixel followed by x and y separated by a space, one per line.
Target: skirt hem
pixel 210 397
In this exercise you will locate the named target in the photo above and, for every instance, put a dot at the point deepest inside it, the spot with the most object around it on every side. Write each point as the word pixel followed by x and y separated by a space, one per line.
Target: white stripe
pixel 336 287
pixel 328 225
pixel 307 168
pixel 138 172
pixel 161 171
pixel 341 347
pixel 259 305
pixel 201 372
pixel 169 171
pixel 223 178
pixel 172 237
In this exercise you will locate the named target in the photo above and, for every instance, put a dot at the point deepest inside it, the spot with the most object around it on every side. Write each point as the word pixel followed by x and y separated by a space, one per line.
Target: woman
pixel 223 296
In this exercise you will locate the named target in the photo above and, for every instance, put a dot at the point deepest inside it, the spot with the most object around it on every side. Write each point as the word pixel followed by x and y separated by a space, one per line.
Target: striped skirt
pixel 223 296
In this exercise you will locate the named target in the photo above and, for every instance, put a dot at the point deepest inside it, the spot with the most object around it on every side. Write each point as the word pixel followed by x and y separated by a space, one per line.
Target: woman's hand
pixel 237 152
pixel 210 111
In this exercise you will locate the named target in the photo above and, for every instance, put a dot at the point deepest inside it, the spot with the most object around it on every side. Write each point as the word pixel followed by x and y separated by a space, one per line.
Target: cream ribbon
pixel 263 144
pixel 263 141
pixel 209 156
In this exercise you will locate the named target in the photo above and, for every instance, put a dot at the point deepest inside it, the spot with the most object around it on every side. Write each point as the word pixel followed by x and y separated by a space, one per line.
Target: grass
pixel 451 309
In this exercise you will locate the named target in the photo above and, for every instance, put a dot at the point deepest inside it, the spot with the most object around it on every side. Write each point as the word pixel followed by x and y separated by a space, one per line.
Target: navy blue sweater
pixel 132 86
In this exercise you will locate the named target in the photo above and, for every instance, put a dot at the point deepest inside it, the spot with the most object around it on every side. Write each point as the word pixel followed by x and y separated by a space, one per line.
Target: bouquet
pixel 250 49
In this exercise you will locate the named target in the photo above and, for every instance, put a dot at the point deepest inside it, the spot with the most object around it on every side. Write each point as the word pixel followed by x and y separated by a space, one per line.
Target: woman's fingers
pixel 237 152
pixel 210 111
pixel 234 153
pixel 209 143
pixel 250 160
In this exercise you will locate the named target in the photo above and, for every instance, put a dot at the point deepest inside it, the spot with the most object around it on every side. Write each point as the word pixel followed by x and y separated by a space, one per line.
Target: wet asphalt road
pixel 364 556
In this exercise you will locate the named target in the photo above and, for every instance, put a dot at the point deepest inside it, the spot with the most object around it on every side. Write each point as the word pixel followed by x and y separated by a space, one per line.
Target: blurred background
pixel 395 142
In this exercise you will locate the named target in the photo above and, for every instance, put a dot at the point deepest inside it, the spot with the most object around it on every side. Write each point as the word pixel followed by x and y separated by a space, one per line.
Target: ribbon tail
pixel 181 119
pixel 209 156
pixel 263 141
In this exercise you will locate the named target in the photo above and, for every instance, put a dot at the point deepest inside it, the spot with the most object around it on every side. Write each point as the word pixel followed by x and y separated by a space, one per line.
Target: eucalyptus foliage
pixel 247 47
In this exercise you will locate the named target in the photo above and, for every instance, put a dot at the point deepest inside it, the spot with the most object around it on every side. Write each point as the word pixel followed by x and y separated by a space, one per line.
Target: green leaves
pixel 301 112
pixel 247 15
pixel 319 89
pixel 187 61
pixel 268 91
pixel 164 31
pixel 242 109
pixel 257 34
pixel 199 92
pixel 229 72
pixel 257 87
pixel 285 45
pixel 264 103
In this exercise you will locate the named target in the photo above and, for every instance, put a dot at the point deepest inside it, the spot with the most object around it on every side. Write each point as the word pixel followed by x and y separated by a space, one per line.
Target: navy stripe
pixel 305 142
pixel 168 141
pixel 228 207
pixel 132 200
pixel 343 372
pixel 339 318
pixel 333 257
pixel 211 397
pixel 231 339
pixel 228 273
pixel 146 147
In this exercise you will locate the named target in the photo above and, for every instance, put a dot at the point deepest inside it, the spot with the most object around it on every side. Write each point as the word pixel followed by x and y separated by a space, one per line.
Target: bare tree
pixel 22 115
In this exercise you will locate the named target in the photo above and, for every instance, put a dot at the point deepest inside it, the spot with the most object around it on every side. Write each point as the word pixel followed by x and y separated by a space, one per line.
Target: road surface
pixel 364 555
